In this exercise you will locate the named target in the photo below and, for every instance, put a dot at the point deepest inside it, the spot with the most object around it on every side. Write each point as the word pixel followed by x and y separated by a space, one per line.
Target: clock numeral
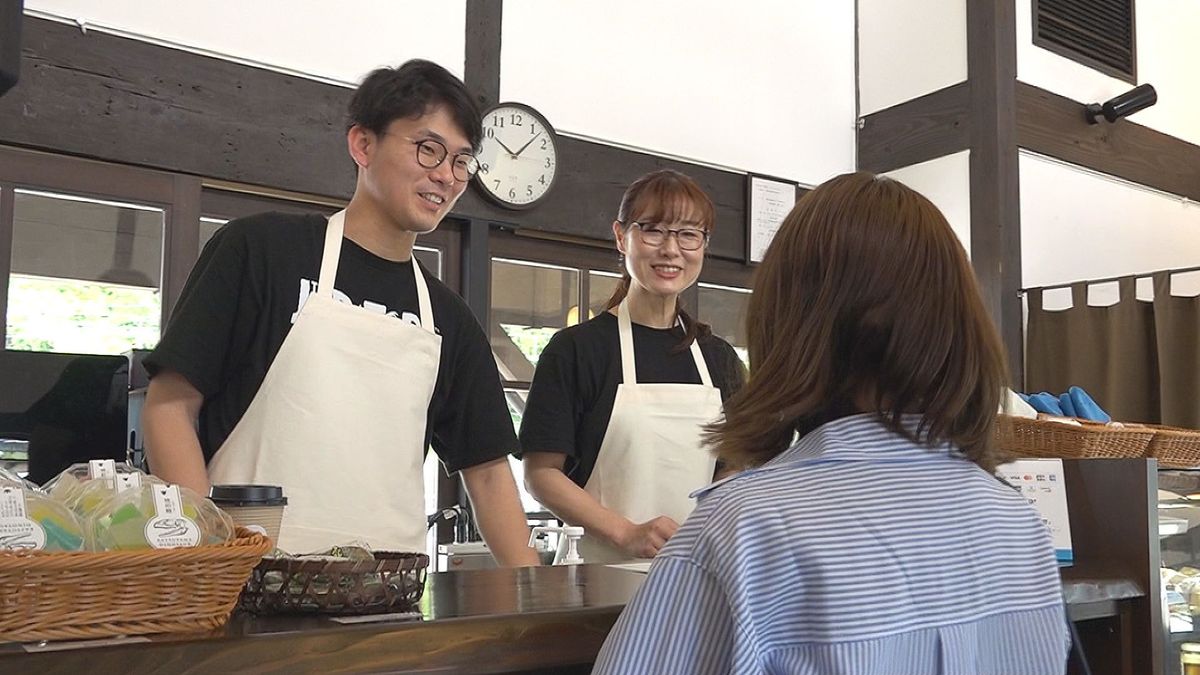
pixel 497 182
pixel 542 180
pixel 545 142
pixel 528 190
pixel 497 121
pixel 484 168
pixel 512 193
pixel 547 162
pixel 516 119
pixel 533 130
pixel 490 132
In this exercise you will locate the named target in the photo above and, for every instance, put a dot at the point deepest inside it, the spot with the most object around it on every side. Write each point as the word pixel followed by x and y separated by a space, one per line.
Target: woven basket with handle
pixel 55 596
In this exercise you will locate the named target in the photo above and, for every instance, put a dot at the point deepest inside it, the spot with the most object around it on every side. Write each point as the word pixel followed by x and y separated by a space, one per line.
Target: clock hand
pixel 518 153
pixel 506 147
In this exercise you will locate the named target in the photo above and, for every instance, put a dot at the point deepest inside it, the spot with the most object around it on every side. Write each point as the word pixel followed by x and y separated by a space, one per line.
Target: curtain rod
pixel 1144 275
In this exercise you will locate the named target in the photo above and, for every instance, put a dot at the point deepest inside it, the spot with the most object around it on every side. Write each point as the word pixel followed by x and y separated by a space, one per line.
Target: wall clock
pixel 519 157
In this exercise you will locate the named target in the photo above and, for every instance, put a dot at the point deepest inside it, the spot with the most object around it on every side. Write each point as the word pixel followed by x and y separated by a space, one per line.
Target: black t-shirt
pixel 575 384
pixel 239 304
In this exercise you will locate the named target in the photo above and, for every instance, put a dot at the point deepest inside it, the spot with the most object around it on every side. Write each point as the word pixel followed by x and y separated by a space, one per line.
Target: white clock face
pixel 518 160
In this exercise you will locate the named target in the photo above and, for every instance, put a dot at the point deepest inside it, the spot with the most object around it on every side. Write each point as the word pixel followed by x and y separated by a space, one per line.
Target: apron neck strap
pixel 331 253
pixel 329 266
pixel 629 368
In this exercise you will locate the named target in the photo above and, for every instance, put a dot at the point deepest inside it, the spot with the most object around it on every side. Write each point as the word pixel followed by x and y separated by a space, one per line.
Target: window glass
pixel 530 303
pixel 724 308
pixel 86 275
pixel 601 286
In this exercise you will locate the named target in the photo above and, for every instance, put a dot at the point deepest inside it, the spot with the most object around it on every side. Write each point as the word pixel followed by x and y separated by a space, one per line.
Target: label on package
pixel 127 481
pixel 169 528
pixel 17 531
pixel 101 468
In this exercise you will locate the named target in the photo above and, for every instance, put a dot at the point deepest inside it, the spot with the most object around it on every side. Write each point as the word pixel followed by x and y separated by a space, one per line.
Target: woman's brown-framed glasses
pixel 688 238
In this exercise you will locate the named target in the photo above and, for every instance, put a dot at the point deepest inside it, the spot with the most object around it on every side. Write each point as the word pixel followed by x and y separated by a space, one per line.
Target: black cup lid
pixel 248 495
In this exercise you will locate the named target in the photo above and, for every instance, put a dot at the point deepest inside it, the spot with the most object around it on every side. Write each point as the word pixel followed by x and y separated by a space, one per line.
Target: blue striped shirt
pixel 855 551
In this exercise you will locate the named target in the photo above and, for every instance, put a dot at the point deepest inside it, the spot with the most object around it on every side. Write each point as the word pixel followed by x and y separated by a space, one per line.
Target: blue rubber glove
pixel 1084 406
pixel 1046 403
pixel 1068 408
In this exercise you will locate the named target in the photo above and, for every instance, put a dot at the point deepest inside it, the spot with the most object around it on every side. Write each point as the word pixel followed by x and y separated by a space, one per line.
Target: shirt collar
pixel 864 437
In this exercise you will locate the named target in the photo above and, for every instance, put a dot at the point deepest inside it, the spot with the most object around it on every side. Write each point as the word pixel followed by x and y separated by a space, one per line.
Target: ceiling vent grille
pixel 1097 33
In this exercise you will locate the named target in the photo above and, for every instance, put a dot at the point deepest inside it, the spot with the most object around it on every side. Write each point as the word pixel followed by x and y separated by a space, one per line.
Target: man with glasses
pixel 320 356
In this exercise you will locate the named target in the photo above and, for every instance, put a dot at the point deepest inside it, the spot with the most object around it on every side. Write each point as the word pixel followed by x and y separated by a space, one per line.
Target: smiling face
pixel 410 197
pixel 663 270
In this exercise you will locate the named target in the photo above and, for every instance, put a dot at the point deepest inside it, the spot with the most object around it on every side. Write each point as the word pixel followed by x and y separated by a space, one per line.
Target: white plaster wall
pixel 764 86
pixel 1077 225
pixel 1168 51
pixel 336 41
pixel 909 48
pixel 946 181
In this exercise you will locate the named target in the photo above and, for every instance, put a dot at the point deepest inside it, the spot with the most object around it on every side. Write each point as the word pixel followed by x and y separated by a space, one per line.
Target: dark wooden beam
pixel 482 59
pixel 915 131
pixel 591 179
pixel 122 100
pixel 131 102
pixel 1054 125
pixel 995 181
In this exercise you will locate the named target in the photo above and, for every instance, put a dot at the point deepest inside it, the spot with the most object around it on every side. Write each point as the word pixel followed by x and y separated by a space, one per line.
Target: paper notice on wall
pixel 769 203
pixel 1041 482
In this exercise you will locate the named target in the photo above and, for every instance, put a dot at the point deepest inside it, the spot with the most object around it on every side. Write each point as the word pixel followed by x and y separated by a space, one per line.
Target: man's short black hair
pixel 411 91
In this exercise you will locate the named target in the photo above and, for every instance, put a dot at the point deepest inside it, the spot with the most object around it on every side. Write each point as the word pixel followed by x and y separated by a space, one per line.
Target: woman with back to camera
pixel 880 541
pixel 611 434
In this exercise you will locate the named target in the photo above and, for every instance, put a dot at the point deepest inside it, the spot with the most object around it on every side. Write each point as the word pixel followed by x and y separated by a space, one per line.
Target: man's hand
pixel 645 540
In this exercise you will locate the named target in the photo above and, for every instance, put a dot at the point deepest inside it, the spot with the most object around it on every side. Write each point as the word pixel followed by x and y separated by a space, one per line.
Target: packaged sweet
pixel 11 478
pixel 156 515
pixel 76 481
pixel 31 520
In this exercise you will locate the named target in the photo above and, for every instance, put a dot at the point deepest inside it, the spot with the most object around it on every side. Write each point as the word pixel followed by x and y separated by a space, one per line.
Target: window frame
pixel 176 195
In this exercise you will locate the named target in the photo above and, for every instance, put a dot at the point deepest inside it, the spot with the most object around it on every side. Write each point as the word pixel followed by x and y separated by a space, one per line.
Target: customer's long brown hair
pixel 664 196
pixel 865 302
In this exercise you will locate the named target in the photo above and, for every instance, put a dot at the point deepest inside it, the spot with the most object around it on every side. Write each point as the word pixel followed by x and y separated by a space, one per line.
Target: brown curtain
pixel 1139 360
pixel 1177 321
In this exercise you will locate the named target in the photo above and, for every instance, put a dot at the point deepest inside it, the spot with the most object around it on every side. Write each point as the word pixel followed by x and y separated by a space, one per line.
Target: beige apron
pixel 339 421
pixel 651 458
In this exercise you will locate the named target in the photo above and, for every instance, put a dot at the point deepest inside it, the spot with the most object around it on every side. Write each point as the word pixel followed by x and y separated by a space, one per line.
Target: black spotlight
pixel 1139 98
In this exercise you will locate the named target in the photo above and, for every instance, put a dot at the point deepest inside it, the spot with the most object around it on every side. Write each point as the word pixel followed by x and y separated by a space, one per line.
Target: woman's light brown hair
pixel 865 301
pixel 665 196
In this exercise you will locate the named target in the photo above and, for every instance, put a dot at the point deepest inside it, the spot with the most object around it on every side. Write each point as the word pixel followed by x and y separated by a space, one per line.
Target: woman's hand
pixel 644 540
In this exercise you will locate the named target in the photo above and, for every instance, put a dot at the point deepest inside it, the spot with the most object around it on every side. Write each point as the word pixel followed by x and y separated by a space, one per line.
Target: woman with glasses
pixel 610 437
pixel 880 541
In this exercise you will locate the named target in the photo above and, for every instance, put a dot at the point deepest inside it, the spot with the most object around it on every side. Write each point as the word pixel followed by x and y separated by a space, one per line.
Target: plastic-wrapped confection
pixel 11 478
pixel 74 486
pixel 30 519
pixel 156 516
pixel 88 496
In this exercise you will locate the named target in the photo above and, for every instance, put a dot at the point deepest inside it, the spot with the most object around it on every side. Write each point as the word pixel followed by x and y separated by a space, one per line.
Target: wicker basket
pixel 52 596
pixel 390 582
pixel 1174 448
pixel 1023 437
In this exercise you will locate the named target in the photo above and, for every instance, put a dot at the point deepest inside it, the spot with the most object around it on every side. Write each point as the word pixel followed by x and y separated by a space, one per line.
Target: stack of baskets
pixel 53 596
pixel 1172 447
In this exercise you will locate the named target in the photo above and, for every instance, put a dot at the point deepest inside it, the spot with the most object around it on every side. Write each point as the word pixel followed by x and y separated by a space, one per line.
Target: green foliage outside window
pixel 81 317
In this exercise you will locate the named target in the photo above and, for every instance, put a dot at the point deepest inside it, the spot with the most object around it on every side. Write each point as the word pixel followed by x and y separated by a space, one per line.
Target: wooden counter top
pixel 478 621
pixel 540 619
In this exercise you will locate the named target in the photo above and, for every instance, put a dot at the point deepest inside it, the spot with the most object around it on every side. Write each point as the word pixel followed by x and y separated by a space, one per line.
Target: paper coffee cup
pixel 255 507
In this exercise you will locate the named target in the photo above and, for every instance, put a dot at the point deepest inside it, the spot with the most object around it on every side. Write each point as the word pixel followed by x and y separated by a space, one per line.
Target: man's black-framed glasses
pixel 688 238
pixel 431 154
